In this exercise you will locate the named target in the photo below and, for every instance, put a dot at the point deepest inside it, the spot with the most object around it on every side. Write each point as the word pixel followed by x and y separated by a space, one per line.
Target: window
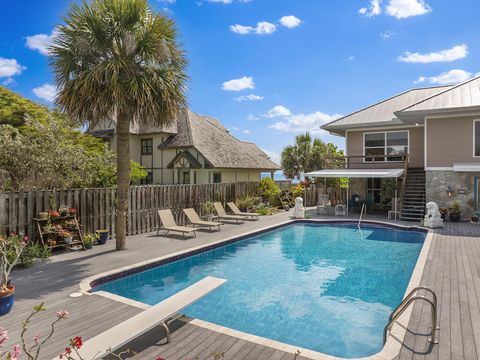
pixel 186 177
pixel 374 190
pixel 377 145
pixel 476 138
pixel 147 180
pixel 147 146
pixel 217 178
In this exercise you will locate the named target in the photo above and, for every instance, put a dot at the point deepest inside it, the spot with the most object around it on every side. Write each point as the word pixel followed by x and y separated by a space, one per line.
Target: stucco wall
pixel 449 141
pixel 438 183
pixel 354 142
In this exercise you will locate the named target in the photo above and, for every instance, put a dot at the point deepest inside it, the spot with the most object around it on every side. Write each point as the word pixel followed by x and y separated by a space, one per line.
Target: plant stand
pixel 46 236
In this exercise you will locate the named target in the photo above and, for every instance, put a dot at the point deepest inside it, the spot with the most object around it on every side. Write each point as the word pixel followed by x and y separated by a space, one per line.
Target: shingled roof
pixel 221 150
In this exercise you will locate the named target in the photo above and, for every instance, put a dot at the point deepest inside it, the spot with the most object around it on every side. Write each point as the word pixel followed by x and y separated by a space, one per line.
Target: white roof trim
pixel 466 167
pixel 356 173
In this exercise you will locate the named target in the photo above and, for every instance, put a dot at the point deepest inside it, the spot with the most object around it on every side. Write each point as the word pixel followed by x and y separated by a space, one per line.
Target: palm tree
pixel 118 59
pixel 308 154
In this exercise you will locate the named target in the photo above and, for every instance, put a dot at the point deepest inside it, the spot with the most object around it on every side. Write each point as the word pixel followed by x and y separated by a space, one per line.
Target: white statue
pixel 299 210
pixel 433 218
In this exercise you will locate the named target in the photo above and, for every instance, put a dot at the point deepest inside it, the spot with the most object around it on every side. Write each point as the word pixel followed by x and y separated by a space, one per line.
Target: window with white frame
pixel 379 144
pixel 476 138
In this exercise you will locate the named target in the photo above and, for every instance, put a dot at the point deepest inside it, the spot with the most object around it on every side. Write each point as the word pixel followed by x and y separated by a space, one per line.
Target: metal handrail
pixel 410 294
pixel 361 215
pixel 409 299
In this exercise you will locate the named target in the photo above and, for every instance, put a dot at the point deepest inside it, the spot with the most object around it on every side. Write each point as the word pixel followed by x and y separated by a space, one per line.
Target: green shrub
pixel 247 202
pixel 455 208
pixel 269 190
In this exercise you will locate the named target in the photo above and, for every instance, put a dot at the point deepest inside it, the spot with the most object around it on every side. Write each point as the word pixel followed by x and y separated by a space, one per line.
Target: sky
pixel 272 69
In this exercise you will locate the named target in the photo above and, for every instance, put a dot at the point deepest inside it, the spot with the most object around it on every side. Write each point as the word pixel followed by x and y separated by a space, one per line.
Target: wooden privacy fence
pixel 96 206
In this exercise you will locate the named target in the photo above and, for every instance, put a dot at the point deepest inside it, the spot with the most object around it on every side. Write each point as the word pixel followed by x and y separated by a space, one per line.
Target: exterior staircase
pixel 413 204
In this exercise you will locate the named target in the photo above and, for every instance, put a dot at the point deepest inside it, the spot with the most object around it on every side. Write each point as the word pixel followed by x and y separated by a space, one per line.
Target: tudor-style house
pixel 194 149
pixel 430 135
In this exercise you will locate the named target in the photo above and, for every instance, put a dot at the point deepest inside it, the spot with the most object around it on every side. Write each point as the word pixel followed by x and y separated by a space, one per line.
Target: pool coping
pixel 389 351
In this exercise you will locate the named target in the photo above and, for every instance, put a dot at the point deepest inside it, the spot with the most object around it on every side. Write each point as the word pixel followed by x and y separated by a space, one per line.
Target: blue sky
pixel 271 69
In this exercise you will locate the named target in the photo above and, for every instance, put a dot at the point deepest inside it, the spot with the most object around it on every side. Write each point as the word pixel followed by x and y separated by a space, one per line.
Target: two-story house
pixel 194 149
pixel 429 138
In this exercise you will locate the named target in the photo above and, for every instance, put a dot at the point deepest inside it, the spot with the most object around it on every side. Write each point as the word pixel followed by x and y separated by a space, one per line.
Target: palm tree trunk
pixel 123 178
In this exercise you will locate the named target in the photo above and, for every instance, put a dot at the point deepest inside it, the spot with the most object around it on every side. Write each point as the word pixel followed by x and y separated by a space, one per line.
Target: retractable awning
pixel 356 173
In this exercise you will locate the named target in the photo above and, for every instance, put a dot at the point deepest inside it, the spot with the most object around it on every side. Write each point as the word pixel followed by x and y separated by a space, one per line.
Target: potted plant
pixel 474 218
pixel 72 211
pixel 43 215
pixel 208 209
pixel 455 212
pixel 443 213
pixel 102 236
pixel 53 214
pixel 11 249
pixel 66 235
pixel 89 239
pixel 63 210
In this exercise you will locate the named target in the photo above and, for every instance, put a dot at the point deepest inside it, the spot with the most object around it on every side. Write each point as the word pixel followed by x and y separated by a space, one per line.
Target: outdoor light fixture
pixel 449 191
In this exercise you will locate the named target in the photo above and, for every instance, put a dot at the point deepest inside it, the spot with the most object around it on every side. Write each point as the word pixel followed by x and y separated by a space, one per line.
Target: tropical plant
pixel 208 208
pixel 90 238
pixel 247 202
pixel 268 188
pixel 309 154
pixel 119 60
pixel 455 208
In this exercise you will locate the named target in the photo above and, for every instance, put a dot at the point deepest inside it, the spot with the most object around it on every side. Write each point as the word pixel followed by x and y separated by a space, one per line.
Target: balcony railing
pixel 366 162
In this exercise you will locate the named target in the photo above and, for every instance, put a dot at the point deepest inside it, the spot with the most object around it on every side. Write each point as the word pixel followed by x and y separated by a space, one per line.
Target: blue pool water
pixel 328 288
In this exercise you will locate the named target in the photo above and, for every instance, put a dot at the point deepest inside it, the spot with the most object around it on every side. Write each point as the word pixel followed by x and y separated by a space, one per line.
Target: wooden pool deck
pixel 452 270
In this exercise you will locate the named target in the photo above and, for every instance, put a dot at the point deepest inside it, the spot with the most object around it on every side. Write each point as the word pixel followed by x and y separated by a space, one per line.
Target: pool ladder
pixel 361 215
pixel 409 299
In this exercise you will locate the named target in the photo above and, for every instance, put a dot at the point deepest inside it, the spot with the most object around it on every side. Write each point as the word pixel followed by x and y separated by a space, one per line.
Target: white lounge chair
pixel 169 224
pixel 121 334
pixel 197 222
pixel 236 211
pixel 222 214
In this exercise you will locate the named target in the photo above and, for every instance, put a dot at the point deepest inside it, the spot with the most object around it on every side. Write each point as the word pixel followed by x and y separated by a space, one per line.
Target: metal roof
pixel 464 95
pixel 383 112
pixel 356 173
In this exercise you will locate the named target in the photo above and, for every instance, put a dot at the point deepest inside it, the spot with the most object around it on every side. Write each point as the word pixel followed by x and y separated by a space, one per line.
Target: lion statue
pixel 299 210
pixel 433 218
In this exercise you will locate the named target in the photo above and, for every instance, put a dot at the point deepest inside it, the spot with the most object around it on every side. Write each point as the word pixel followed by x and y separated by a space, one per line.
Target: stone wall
pixel 437 183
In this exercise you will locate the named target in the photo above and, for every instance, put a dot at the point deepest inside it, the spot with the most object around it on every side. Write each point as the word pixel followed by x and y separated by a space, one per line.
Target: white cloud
pixel 351 58
pixel 41 42
pixel 388 34
pixel 243 83
pixel 250 97
pixel 262 28
pixel 274 156
pixel 252 117
pixel 304 122
pixel 10 67
pixel 247 132
pixel 290 21
pixel 402 9
pixel 373 9
pixel 447 77
pixel 278 111
pixel 447 55
pixel 8 81
pixel 228 1
pixel 46 92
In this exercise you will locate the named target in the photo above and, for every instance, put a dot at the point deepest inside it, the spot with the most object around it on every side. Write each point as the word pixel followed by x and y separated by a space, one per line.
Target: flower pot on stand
pixel 7 298
pixel 68 240
pixel 102 236
pixel 454 217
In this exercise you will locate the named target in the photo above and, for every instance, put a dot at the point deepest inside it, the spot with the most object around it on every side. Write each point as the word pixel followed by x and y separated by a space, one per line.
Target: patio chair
pixel 236 211
pixel 222 214
pixel 169 224
pixel 340 210
pixel 159 314
pixel 196 221
pixel 322 204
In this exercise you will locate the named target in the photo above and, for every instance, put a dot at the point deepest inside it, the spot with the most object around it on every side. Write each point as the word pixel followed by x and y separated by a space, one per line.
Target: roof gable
pixel 383 112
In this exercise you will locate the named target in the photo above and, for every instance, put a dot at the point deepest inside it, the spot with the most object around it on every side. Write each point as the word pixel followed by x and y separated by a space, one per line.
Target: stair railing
pixel 404 180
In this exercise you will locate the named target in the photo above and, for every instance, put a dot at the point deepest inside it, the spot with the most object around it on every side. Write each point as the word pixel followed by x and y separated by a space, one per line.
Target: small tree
pixel 11 249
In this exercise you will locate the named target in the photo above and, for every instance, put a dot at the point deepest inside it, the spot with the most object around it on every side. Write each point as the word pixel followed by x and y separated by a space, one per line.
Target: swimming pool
pixel 325 287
